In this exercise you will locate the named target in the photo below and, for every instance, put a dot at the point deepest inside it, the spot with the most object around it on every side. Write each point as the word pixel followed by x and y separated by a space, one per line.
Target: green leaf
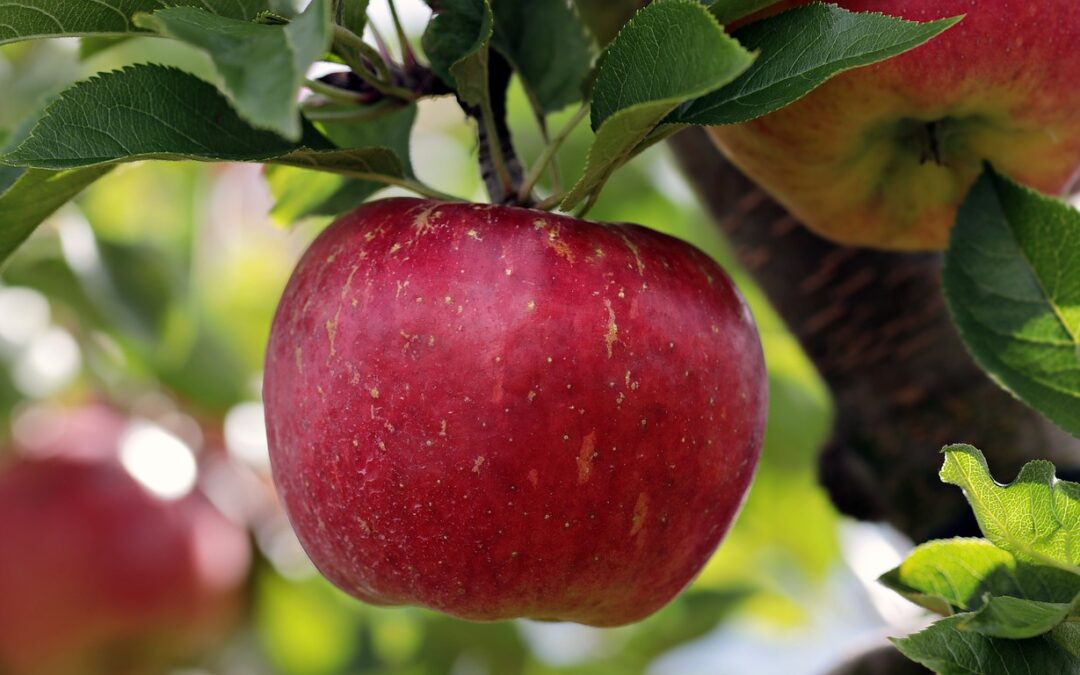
pixel 958 573
pixel 1067 636
pixel 802 48
pixel 32 197
pixel 456 42
pixel 8 176
pixel 304 193
pixel 91 46
pixel 668 49
pixel 1012 281
pixel 31 19
pixel 552 62
pixel 1018 618
pixel 143 112
pixel 365 163
pixel 299 193
pixel 261 67
pixel 392 130
pixel 1023 584
pixel 671 51
pixel 727 11
pixel 153 112
pixel 947 649
pixel 1036 517
pixel 351 14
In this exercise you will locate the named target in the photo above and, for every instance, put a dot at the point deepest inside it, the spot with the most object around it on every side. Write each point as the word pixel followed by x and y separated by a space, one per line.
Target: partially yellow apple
pixel 882 156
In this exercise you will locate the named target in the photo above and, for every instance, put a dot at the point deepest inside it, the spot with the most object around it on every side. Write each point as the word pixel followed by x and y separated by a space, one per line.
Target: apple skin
pixel 498 412
pixel 99 576
pixel 852 159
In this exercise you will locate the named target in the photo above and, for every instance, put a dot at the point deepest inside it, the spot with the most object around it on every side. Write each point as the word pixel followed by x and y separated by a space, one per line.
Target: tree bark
pixel 876 326
pixel 879 661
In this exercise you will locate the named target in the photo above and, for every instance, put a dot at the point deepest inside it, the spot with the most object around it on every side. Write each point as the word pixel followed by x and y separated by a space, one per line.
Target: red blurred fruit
pixel 98 575
pixel 497 412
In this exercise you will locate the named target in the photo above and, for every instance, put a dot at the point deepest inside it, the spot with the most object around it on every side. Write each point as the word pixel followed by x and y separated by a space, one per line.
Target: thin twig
pixel 387 89
pixel 548 156
pixel 408 56
pixel 331 92
pixel 553 166
pixel 348 45
pixel 384 49
pixel 377 60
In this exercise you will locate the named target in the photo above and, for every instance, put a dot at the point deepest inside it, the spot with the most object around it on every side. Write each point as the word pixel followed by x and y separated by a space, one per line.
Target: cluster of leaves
pixel 672 65
pixel 707 77
pixel 1012 600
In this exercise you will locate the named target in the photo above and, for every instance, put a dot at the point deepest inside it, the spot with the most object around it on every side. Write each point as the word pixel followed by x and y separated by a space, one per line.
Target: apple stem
pixel 932 151
pixel 550 151
pixel 493 166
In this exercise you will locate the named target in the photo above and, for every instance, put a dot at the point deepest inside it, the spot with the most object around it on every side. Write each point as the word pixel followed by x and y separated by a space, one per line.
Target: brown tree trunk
pixel 876 326
pixel 879 661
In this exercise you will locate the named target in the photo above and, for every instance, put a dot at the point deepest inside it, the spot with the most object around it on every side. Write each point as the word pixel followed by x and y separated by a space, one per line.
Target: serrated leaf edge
pixel 1037 465
pixel 948 21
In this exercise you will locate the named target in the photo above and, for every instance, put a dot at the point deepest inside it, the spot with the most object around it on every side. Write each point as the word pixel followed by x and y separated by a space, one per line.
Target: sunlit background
pixel 154 292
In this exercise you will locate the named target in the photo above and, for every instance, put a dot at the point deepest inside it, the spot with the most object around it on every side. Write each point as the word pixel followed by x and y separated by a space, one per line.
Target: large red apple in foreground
pixel 496 412
pixel 882 156
pixel 99 576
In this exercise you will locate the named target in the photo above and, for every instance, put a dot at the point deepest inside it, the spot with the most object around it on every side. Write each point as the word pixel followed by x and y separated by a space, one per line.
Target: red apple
pixel 99 576
pixel 882 156
pixel 497 412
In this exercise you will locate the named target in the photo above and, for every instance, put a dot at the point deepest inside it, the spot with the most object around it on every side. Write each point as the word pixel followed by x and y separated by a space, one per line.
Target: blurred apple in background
pixel 113 562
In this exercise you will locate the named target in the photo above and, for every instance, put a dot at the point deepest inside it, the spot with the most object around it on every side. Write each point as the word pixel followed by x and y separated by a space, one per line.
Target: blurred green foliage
pixel 167 276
